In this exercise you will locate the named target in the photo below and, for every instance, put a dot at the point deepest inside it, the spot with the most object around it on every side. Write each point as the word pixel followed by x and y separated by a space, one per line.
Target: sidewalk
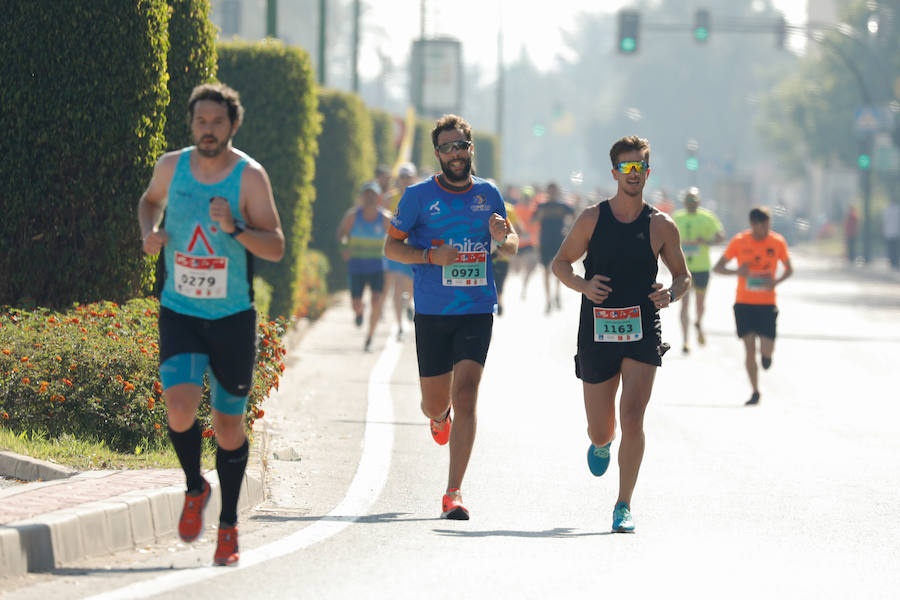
pixel 63 516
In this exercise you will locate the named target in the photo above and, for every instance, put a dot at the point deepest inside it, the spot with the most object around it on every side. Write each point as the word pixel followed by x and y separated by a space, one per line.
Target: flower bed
pixel 93 372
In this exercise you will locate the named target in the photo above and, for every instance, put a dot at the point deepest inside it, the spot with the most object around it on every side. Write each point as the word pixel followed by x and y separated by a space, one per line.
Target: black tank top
pixel 622 252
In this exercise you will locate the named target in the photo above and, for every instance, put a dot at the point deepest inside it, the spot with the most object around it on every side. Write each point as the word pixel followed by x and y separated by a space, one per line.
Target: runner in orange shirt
pixel 758 251
pixel 527 258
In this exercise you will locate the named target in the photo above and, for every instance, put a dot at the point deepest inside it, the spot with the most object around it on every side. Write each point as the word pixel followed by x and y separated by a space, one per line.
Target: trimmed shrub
pixel 423 148
pixel 383 137
pixel 191 61
pixel 93 372
pixel 487 155
pixel 346 160
pixel 83 119
pixel 280 128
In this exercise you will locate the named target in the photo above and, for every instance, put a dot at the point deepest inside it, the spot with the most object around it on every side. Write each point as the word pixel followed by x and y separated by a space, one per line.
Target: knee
pixel 632 422
pixel 230 437
pixel 601 435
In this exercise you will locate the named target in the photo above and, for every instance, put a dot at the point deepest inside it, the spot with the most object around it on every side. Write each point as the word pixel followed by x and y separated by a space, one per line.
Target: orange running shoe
pixel 227 548
pixel 190 525
pixel 453 507
pixel 440 430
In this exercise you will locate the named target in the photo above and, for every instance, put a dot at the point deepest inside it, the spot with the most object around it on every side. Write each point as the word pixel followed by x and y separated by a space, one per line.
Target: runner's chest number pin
pixel 617 324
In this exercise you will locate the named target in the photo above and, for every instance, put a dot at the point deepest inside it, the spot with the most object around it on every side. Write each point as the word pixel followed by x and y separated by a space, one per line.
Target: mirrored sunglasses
pixel 447 147
pixel 633 165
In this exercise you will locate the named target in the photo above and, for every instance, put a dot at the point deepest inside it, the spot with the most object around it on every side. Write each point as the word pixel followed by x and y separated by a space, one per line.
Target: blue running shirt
pixel 366 244
pixel 430 215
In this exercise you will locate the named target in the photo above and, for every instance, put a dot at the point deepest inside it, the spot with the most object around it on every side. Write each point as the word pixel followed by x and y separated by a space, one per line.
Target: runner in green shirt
pixel 699 228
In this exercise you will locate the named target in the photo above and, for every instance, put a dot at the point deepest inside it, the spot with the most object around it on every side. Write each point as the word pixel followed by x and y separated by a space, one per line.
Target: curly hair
pixel 220 93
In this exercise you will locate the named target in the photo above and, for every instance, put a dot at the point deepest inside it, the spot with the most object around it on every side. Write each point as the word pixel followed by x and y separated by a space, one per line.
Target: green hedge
pixel 423 148
pixel 383 137
pixel 487 155
pixel 191 61
pixel 346 160
pixel 280 126
pixel 83 100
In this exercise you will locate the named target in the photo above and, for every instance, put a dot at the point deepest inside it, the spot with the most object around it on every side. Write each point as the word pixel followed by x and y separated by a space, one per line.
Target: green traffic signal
pixel 692 163
pixel 701 34
pixel 628 44
pixel 538 130
pixel 629 28
pixel 864 161
pixel 701 25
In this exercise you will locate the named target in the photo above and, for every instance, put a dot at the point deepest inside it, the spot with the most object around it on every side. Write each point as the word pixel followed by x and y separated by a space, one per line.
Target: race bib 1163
pixel 617 324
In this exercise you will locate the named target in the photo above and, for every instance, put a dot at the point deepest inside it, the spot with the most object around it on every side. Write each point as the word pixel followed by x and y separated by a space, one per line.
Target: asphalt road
pixel 795 498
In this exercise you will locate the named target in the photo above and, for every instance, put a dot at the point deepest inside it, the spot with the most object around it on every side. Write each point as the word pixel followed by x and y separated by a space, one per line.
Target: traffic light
pixel 780 32
pixel 691 162
pixel 629 26
pixel 864 162
pixel 701 25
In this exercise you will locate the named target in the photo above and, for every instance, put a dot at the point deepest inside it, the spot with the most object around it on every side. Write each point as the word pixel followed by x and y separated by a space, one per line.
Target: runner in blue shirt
pixel 446 227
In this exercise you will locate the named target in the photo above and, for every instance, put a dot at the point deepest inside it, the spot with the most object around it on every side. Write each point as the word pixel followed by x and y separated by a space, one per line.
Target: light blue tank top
pixel 208 273
pixel 366 244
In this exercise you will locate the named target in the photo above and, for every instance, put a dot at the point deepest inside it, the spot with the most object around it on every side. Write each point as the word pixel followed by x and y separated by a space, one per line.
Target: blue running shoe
pixel 598 459
pixel 622 521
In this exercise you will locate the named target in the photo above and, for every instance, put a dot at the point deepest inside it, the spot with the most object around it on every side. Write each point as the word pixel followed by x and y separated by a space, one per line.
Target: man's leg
pixel 700 295
pixel 392 283
pixel 546 269
pixel 685 322
pixel 750 361
pixel 377 303
pixel 182 402
pixel 600 409
pixel 464 394
pixel 637 383
pixel 766 349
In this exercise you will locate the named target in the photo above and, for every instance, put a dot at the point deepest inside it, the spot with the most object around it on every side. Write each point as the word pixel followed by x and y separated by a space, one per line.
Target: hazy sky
pixel 391 27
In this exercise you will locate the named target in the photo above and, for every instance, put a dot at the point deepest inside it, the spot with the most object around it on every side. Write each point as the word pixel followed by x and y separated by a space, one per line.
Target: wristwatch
pixel 239 228
pixel 671 296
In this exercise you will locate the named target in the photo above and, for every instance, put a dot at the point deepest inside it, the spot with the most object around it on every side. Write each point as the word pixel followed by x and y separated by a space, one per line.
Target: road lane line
pixel 365 488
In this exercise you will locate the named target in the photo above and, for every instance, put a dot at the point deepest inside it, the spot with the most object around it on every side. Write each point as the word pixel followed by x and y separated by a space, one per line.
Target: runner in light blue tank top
pixel 209 272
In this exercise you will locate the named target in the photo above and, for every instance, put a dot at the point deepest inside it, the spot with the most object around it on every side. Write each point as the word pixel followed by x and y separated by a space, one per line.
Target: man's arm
pixel 152 204
pixel 673 257
pixel 573 248
pixel 788 271
pixel 262 236
pixel 721 269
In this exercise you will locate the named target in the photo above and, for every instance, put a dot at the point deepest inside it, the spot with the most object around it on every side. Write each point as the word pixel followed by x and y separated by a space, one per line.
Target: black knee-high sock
pixel 231 465
pixel 187 447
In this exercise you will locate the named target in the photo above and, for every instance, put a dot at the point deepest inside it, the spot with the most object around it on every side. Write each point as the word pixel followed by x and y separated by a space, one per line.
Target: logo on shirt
pixel 480 204
pixel 468 245
pixel 199 235
pixel 435 209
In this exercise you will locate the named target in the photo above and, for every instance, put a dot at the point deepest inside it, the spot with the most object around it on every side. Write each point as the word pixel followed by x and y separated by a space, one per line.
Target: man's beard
pixel 464 176
pixel 214 151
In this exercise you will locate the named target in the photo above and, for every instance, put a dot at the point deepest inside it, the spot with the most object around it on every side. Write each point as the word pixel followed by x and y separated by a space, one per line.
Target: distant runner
pixel 758 251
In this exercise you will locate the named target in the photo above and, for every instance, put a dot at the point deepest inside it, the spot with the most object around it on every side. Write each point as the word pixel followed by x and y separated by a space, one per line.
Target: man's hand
pixel 659 296
pixel 499 228
pixel 220 212
pixel 596 289
pixel 443 255
pixel 154 241
pixel 743 270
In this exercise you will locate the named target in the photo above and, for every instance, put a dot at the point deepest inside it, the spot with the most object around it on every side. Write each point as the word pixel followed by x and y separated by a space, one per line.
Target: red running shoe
pixel 453 507
pixel 440 430
pixel 227 548
pixel 190 525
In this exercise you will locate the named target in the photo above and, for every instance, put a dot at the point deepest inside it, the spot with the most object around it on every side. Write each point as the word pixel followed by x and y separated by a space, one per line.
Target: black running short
pixel 230 343
pixel 444 340
pixel 549 248
pixel 358 282
pixel 600 363
pixel 700 280
pixel 756 318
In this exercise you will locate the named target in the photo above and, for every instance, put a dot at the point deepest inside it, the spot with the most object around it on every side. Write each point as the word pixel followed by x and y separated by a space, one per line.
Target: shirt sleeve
pixel 731 251
pixel 406 216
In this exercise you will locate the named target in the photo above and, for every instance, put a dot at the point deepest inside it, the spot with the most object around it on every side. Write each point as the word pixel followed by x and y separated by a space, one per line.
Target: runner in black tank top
pixel 622 252
pixel 619 329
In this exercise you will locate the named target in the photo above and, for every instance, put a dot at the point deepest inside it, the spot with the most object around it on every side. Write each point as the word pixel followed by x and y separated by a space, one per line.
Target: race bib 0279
pixel 201 277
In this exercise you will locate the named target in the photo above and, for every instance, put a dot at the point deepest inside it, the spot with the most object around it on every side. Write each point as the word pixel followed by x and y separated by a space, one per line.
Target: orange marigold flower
pixel 260 414
pixel 44 385
pixel 67 382
pixel 5 415
pixel 84 330
pixel 7 351
pixel 128 386
pixel 73 366
pixel 208 433
pixel 156 425
pixel 51 320
pixel 157 387
pixel 281 367
pixel 24 359
pixel 26 380
pixel 61 398
pixel 120 379
pixel 58 357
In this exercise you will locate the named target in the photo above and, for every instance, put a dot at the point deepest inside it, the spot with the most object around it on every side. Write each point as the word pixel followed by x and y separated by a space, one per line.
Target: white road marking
pixel 365 488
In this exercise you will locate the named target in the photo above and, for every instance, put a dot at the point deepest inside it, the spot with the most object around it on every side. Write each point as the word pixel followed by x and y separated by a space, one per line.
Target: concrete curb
pixel 119 523
pixel 26 468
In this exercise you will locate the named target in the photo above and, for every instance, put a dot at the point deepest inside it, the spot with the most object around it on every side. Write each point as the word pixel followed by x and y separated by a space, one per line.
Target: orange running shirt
pixel 528 229
pixel 762 256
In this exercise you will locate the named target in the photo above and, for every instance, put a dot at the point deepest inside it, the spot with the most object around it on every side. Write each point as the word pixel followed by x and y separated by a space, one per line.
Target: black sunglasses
pixel 447 147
